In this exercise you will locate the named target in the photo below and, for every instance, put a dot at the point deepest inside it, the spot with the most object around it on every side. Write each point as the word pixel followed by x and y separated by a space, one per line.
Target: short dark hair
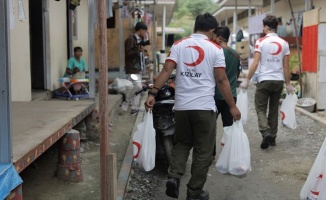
pixel 270 21
pixel 140 25
pixel 77 49
pixel 205 22
pixel 224 32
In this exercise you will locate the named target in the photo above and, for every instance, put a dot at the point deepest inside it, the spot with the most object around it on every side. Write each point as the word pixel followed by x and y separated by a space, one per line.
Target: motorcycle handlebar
pixel 141 90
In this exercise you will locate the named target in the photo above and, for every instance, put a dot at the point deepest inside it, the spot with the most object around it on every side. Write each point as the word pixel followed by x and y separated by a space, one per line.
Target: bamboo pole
pixel 103 98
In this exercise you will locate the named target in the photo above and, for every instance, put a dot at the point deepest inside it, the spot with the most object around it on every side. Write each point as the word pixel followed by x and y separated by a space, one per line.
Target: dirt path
pixel 278 173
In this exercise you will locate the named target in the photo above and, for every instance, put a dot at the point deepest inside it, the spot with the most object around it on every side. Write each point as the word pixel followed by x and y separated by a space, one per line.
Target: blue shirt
pixel 72 63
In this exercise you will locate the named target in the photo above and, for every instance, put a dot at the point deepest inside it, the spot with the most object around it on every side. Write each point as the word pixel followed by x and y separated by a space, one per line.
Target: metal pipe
pixel 249 10
pixel 154 38
pixel 5 87
pixel 163 28
pixel 272 6
pixel 103 97
pixel 121 40
pixel 307 5
pixel 91 44
pixel 297 44
pixel 235 16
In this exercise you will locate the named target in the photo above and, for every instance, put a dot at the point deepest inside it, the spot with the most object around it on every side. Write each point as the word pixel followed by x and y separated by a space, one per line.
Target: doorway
pixel 37 44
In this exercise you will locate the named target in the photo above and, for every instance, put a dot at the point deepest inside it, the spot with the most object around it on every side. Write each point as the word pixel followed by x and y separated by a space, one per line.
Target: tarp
pixel 9 179
pixel 310 41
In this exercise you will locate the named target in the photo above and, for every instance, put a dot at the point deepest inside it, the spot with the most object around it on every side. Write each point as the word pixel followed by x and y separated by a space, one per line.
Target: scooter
pixel 163 117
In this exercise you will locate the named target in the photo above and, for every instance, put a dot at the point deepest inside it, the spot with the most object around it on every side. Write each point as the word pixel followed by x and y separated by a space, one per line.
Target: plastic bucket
pixel 307 103
pixel 161 58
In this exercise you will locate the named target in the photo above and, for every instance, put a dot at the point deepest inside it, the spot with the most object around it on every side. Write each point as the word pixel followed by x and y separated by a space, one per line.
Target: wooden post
pixel 103 98
pixel 111 161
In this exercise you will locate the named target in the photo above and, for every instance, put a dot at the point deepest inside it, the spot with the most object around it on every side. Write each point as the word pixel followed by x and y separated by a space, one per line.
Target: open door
pixel 37 44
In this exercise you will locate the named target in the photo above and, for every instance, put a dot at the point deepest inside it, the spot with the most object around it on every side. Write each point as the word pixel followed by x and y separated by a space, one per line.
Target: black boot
pixel 272 142
pixel 172 187
pixel 204 195
pixel 267 137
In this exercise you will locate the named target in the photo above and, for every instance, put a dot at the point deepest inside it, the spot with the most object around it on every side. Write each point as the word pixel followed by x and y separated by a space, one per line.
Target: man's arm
pixel 69 71
pixel 252 70
pixel 286 69
pixel 85 66
pixel 254 65
pixel 287 74
pixel 70 67
pixel 160 81
pixel 223 85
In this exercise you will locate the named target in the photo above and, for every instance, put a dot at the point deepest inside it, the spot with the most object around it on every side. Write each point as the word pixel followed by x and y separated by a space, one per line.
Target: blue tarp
pixel 9 179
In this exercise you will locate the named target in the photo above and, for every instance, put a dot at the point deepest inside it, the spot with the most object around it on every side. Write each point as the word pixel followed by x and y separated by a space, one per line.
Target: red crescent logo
pixel 138 149
pixel 278 50
pixel 283 115
pixel 201 56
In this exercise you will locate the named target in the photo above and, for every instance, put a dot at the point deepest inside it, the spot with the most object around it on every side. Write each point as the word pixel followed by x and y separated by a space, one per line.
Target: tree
pixel 198 7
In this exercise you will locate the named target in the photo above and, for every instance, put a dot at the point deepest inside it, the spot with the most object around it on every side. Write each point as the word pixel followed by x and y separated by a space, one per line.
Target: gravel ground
pixel 278 173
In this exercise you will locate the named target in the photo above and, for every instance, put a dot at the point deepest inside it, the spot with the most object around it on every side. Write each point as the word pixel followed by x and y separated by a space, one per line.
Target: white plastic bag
pixel 288 112
pixel 242 104
pixel 121 85
pixel 314 187
pixel 235 156
pixel 144 143
pixel 224 137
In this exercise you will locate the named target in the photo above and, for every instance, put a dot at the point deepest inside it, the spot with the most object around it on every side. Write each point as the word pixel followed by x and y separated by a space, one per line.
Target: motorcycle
pixel 163 117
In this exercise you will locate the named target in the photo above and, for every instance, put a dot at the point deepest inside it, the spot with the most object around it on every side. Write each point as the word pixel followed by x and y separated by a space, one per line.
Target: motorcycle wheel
pixel 168 145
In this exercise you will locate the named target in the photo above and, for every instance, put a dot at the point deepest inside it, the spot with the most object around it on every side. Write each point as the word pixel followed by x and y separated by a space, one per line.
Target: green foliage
pixel 294 62
pixel 186 10
pixel 198 7
pixel 182 12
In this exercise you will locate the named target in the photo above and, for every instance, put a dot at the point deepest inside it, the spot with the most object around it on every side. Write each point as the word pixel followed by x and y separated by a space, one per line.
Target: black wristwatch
pixel 152 93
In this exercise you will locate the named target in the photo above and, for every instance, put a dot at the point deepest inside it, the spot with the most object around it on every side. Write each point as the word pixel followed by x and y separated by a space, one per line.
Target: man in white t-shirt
pixel 272 53
pixel 199 65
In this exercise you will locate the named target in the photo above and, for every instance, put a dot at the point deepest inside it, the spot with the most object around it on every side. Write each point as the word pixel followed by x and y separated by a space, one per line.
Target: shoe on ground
pixel 172 187
pixel 134 112
pixel 266 141
pixel 272 142
pixel 204 195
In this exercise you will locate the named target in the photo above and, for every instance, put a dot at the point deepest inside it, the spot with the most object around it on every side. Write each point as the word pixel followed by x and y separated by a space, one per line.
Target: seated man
pixel 76 63
pixel 76 68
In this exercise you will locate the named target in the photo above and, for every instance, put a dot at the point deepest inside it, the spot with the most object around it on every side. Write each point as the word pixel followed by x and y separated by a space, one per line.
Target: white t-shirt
pixel 272 49
pixel 195 57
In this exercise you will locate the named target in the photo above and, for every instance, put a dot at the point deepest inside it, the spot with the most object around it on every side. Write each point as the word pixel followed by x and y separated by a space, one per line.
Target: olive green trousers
pixel 194 129
pixel 268 94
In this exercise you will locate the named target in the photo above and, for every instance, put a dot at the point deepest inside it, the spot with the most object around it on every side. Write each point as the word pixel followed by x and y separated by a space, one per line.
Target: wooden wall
pixel 113 41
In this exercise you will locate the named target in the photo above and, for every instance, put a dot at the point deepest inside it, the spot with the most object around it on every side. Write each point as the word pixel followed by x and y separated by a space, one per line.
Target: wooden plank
pixel 37 125
pixel 111 161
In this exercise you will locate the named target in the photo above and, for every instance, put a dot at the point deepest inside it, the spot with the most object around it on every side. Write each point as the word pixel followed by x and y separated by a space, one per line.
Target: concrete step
pixel 41 95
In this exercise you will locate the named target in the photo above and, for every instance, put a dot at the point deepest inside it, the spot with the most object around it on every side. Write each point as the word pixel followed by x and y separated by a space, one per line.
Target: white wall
pixel 58 41
pixel 82 29
pixel 282 9
pixel 321 4
pixel 20 57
